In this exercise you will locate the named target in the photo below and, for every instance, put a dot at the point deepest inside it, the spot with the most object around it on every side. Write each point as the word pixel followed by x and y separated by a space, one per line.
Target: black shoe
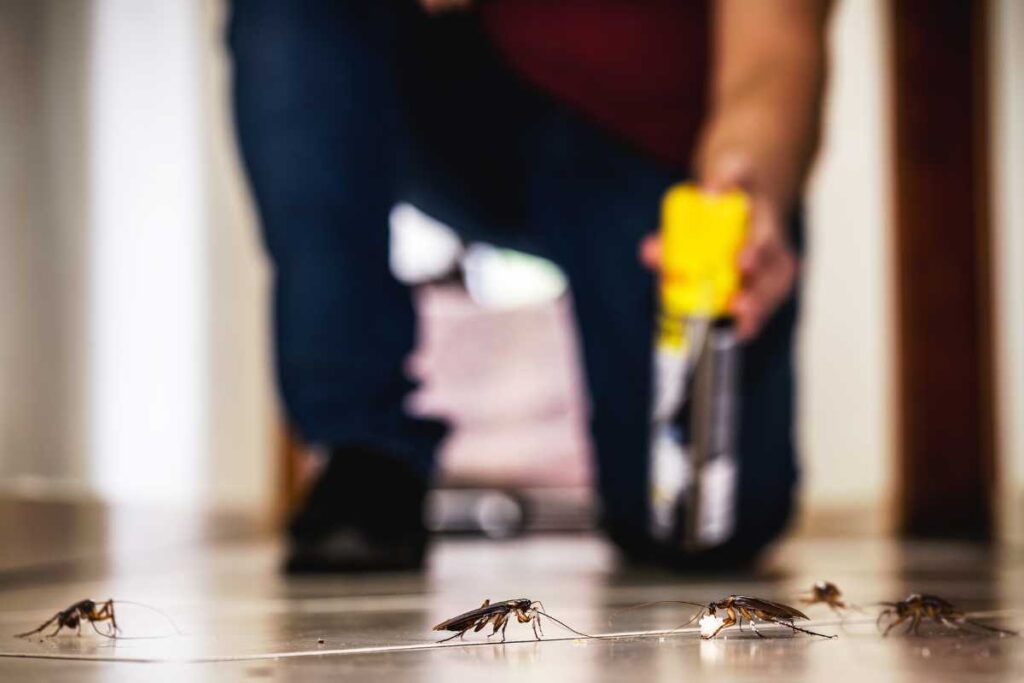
pixel 365 513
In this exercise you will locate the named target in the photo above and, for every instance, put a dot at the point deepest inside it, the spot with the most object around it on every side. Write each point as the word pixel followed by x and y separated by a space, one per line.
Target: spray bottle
pixel 694 471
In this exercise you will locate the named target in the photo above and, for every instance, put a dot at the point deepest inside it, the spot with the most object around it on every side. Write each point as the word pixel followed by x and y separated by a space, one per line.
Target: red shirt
pixel 636 67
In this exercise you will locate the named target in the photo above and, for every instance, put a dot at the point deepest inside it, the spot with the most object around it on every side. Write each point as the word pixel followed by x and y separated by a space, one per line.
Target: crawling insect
pixel 524 610
pixel 828 593
pixel 740 607
pixel 83 610
pixel 920 606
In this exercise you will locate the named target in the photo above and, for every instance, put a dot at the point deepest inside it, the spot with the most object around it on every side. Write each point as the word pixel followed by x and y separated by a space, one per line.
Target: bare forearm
pixel 769 71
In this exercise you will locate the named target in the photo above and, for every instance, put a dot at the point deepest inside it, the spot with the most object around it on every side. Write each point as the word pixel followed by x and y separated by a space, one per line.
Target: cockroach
pixel 828 593
pixel 920 606
pixel 92 612
pixel 740 607
pixel 83 610
pixel 497 614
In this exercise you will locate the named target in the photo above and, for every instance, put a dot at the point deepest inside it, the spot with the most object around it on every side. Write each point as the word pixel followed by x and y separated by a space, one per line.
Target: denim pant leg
pixel 316 117
pixel 594 202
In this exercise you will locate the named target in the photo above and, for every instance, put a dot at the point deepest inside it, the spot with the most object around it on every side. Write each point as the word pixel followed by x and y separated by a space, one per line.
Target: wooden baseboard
pixel 853 520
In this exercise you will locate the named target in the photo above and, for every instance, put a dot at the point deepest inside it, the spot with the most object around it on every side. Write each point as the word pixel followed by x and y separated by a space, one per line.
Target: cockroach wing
pixel 768 607
pixel 936 600
pixel 467 619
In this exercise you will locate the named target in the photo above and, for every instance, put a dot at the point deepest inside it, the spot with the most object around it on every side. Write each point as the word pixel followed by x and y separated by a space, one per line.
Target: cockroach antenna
pixel 654 603
pixel 166 616
pixel 563 624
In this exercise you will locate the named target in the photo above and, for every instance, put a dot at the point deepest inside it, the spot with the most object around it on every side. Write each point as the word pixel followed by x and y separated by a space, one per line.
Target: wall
pixel 244 414
pixel 132 321
pixel 1006 57
pixel 42 235
pixel 846 344
pixel 19 260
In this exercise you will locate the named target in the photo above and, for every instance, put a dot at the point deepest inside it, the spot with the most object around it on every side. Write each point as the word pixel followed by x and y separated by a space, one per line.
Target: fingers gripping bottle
pixel 694 468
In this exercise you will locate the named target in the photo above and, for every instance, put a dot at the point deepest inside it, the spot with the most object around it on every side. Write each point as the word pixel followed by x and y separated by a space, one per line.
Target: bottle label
pixel 694 472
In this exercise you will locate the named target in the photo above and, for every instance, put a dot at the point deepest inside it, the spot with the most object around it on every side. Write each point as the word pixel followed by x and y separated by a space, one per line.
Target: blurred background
pixel 134 349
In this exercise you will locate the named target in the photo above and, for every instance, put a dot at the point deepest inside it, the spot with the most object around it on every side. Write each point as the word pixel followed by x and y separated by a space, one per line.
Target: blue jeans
pixel 346 107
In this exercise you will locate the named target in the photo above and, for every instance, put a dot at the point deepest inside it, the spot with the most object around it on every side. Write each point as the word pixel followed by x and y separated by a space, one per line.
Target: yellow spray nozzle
pixel 701 237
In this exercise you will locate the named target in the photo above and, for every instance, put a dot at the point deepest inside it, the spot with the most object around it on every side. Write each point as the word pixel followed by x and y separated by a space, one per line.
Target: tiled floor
pixel 241 620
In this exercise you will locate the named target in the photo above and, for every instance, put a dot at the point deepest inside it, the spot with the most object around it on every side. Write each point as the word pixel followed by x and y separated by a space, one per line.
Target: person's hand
pixel 730 159
pixel 438 6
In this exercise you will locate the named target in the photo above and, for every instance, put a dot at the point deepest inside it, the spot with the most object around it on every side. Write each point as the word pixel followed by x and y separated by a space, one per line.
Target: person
pixel 552 127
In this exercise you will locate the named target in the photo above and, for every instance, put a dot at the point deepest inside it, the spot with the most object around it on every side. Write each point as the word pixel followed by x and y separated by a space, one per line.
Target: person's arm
pixel 768 74
pixel 768 78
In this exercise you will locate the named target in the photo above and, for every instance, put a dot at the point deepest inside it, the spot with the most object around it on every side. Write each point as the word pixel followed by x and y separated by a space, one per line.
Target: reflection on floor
pixel 241 620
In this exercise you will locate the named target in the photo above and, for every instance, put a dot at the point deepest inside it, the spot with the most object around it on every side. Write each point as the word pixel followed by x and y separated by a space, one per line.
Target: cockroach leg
pixel 892 625
pixel 727 622
pixel 500 621
pixel 457 635
pixel 993 629
pixel 791 625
